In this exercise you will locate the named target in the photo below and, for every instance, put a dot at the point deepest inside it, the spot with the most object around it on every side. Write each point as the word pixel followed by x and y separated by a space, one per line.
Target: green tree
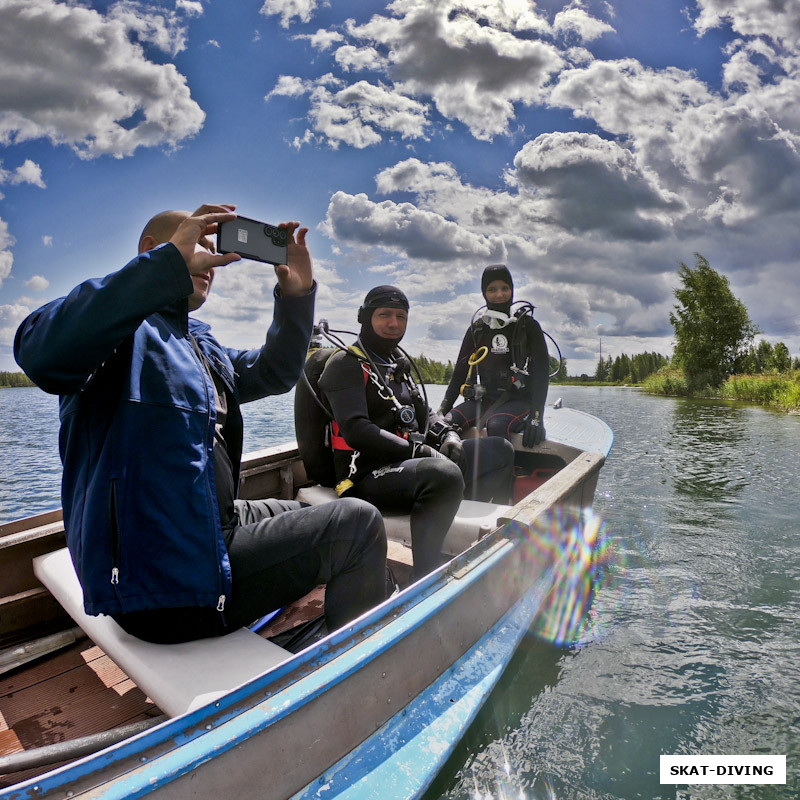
pixel 781 359
pixel 559 367
pixel 713 329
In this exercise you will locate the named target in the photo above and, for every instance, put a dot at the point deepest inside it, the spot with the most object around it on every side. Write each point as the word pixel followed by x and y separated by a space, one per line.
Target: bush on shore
pixel 777 390
pixel 668 381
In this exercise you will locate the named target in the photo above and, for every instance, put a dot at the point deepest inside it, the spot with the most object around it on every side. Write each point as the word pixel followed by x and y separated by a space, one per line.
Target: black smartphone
pixel 253 239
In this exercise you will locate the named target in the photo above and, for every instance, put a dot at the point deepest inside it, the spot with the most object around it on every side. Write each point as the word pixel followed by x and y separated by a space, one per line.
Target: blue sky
pixel 591 146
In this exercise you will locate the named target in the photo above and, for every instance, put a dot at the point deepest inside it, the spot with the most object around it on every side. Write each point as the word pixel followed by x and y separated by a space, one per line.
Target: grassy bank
pixel 781 391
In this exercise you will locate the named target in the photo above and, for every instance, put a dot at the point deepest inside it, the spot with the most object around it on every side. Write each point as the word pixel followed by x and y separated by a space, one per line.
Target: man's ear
pixel 147 243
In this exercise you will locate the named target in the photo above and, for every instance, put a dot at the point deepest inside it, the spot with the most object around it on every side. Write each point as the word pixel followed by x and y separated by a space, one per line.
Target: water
pixel 694 647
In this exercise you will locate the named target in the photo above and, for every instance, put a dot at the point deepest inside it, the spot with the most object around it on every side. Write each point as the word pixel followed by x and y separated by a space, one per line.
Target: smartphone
pixel 253 239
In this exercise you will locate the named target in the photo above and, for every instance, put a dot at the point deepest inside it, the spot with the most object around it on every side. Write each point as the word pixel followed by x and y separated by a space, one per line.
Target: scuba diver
pixel 389 447
pixel 502 369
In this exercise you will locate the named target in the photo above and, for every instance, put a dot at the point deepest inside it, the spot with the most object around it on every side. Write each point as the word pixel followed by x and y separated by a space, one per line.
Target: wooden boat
pixel 371 710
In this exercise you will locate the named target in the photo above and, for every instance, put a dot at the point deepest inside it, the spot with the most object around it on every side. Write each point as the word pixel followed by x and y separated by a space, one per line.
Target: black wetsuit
pixel 518 395
pixel 371 453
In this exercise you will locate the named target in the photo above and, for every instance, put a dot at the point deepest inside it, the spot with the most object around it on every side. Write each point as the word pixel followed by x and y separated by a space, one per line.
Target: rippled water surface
pixel 693 647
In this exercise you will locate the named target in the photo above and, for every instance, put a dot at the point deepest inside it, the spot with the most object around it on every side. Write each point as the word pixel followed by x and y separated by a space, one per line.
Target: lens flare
pixel 573 545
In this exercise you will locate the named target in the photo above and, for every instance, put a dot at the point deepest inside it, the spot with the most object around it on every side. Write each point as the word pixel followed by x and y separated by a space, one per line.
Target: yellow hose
pixel 473 362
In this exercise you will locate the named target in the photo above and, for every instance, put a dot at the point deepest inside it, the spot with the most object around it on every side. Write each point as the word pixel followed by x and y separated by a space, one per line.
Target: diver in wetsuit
pixel 390 448
pixel 502 368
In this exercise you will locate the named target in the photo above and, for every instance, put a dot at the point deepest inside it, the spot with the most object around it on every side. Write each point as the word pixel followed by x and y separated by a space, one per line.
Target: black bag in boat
pixel 312 420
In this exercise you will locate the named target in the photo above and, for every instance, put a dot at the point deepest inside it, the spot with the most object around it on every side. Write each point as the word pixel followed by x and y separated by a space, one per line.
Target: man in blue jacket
pixel 151 442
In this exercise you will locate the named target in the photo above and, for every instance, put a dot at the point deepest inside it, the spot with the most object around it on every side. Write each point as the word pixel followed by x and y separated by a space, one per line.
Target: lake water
pixel 693 646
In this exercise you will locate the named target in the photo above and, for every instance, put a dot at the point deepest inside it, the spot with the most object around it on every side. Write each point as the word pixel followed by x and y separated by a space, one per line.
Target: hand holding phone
pixel 253 239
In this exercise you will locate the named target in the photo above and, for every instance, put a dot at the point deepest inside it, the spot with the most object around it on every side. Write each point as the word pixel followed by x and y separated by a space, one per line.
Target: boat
pixel 371 710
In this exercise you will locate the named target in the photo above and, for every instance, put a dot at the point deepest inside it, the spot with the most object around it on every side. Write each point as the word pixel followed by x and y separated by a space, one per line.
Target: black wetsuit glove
pixel 426 451
pixel 533 432
pixel 451 447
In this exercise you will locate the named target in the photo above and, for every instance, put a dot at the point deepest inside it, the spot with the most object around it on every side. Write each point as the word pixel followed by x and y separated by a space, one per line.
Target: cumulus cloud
pixel 81 78
pixel 321 39
pixel 577 21
pixel 472 72
pixel 6 255
pixel 358 115
pixel 778 19
pixel 474 63
pixel 416 233
pixel 37 283
pixel 192 8
pixel 28 172
pixel 288 10
pixel 156 26
pixel 10 318
pixel 590 184
pixel 732 157
pixel 359 58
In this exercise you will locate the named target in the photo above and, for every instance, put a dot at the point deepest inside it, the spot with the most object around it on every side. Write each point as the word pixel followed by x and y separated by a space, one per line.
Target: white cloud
pixel 10 318
pixel 6 256
pixel 77 77
pixel 778 19
pixel 322 39
pixel 732 158
pixel 575 20
pixel 28 172
pixel 359 58
pixel 590 184
pixel 289 9
pixel 191 8
pixel 289 86
pixel 473 72
pixel 47 241
pixel 358 115
pixel 402 227
pixel 37 283
pixel 156 26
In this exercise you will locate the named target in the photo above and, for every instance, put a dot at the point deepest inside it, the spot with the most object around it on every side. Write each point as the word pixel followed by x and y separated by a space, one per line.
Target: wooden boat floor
pixel 81 691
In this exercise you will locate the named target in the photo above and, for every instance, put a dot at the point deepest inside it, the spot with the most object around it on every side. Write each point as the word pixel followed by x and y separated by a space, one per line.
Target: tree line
pixel 433 371
pixel 14 379
pixel 629 369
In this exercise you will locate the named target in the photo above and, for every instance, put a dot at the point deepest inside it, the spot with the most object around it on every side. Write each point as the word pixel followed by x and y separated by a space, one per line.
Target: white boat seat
pixel 472 521
pixel 177 677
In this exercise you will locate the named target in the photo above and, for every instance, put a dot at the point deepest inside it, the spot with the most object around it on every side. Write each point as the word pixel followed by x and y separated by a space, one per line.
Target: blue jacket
pixel 137 428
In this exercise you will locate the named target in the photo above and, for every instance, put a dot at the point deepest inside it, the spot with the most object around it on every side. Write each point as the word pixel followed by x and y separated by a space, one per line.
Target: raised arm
pixel 61 344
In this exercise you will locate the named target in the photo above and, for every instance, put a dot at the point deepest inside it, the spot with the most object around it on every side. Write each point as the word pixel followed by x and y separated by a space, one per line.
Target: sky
pixel 592 146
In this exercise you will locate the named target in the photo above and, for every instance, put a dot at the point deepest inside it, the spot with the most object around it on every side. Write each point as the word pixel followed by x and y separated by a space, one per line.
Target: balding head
pixel 160 229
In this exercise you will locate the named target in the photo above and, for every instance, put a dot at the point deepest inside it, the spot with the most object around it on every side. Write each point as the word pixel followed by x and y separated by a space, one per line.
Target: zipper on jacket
pixel 114 530
pixel 194 346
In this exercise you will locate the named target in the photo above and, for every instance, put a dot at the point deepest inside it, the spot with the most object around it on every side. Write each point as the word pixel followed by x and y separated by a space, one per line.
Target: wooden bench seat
pixel 177 677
